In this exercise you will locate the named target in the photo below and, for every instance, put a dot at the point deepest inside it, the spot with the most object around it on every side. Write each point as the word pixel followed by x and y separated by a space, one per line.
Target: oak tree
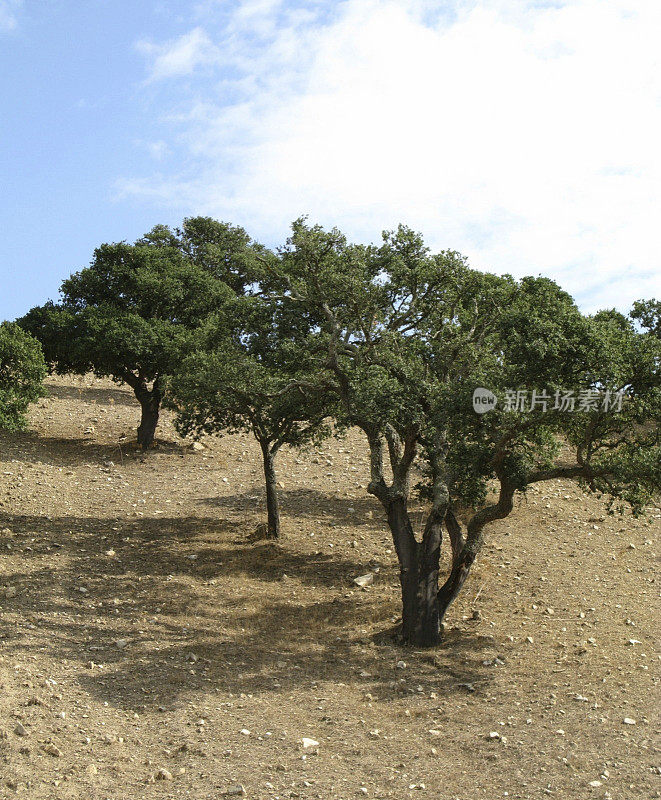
pixel 248 374
pixel 407 336
pixel 130 315
pixel 22 371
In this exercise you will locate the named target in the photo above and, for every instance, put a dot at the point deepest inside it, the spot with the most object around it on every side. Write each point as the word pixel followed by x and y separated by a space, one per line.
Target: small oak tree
pixel 22 371
pixel 407 336
pixel 247 375
pixel 130 315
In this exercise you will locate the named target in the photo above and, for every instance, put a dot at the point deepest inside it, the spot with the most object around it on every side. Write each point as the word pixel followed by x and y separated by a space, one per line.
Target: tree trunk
pixel 461 565
pixel 272 506
pixel 428 626
pixel 150 403
pixel 465 552
pixel 418 575
pixel 407 552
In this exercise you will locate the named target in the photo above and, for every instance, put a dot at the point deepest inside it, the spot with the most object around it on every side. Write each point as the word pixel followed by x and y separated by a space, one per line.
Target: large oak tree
pixel 406 336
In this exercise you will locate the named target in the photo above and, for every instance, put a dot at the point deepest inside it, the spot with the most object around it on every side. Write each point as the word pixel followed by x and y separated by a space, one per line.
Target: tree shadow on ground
pixel 359 512
pixel 92 394
pixel 196 548
pixel 226 618
pixel 35 448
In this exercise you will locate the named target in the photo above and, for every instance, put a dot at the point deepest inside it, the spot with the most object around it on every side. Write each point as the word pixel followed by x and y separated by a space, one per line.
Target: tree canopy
pixel 648 314
pixel 405 339
pixel 131 313
pixel 22 371
pixel 248 374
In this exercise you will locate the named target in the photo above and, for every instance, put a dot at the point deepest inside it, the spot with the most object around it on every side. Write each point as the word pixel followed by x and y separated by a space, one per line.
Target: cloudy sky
pixel 523 133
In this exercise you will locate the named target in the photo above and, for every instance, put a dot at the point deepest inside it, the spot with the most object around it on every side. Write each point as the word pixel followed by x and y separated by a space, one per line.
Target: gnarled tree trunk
pixel 418 560
pixel 419 569
pixel 428 624
pixel 150 403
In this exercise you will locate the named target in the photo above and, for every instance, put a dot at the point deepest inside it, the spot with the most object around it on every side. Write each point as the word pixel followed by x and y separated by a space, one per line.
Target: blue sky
pixel 523 133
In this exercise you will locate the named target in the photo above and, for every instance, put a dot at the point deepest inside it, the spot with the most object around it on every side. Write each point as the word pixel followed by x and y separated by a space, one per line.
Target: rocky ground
pixel 150 649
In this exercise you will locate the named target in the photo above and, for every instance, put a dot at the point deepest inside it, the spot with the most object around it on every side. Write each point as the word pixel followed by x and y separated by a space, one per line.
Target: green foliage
pixel 132 311
pixel 245 376
pixel 130 314
pixel 648 314
pixel 225 251
pixel 404 336
pixel 22 371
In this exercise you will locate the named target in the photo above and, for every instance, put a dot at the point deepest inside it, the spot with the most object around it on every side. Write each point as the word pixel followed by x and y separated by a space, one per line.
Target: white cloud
pixel 180 56
pixel 158 150
pixel 8 14
pixel 523 133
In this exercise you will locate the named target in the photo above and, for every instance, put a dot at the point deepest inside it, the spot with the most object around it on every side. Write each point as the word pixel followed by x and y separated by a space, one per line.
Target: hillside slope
pixel 150 649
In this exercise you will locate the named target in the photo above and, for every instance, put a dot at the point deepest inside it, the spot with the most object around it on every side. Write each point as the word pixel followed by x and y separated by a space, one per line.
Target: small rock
pixel 52 750
pixel 245 731
pixel 364 580
pixel 308 743
pixel 120 644
pixel 20 730
pixel 401 665
pixel 35 701
pixel 595 784
pixel 198 446
pixel 11 591
pixel 629 721
pixel 235 791
pixel 163 775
